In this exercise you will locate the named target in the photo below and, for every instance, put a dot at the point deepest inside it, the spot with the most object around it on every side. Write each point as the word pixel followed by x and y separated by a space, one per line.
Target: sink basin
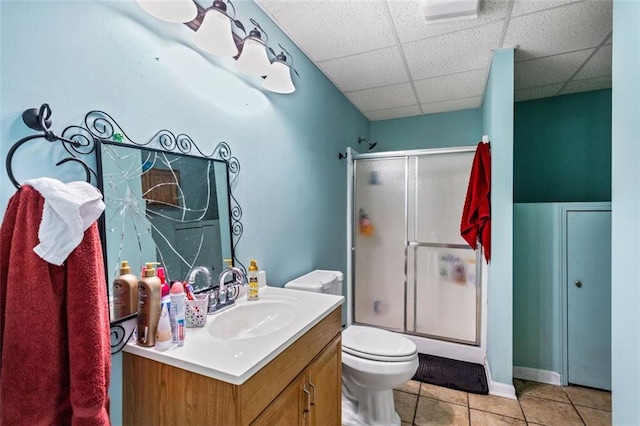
pixel 251 319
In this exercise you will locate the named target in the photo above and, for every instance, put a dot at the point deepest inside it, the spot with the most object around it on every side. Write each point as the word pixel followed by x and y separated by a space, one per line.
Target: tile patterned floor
pixel 421 404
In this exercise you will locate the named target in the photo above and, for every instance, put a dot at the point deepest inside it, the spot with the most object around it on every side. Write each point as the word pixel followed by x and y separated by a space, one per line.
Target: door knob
pixel 578 283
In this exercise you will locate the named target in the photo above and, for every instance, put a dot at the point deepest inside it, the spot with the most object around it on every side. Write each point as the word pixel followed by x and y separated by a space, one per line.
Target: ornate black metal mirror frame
pixel 85 140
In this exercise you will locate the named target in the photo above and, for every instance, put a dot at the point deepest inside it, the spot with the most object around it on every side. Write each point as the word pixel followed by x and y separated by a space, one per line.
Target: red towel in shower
pixel 55 358
pixel 476 215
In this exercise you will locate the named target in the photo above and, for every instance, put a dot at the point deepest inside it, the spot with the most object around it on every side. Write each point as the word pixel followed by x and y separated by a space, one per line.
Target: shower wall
pixel 413 273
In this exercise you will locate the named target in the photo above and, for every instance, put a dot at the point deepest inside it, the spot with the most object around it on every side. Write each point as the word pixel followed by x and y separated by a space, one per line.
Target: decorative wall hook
pixel 342 156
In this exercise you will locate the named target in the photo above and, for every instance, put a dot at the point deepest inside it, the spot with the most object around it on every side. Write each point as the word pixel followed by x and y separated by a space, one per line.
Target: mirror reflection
pixel 163 207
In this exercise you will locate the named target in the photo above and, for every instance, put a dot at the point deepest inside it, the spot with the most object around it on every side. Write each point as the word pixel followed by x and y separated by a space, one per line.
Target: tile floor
pixel 538 404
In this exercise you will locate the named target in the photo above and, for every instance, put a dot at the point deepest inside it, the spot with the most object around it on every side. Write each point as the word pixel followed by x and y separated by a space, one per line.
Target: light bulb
pixel 279 78
pixel 214 35
pixel 253 59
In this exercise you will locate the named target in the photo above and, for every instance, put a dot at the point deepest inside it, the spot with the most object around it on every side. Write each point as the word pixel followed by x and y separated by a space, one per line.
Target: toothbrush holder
pixel 196 311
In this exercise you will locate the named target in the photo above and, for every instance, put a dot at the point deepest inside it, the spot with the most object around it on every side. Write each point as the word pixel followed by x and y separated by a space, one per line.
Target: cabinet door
pixel 324 377
pixel 589 298
pixel 288 409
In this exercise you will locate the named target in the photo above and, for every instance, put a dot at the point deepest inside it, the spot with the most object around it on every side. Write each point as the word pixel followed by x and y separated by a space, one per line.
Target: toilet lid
pixel 377 344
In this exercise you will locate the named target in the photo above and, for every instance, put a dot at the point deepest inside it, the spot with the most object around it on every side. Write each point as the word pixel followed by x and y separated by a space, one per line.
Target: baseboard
pixel 504 390
pixel 536 375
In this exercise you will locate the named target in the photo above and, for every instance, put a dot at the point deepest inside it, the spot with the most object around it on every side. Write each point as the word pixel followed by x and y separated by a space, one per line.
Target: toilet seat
pixel 377 344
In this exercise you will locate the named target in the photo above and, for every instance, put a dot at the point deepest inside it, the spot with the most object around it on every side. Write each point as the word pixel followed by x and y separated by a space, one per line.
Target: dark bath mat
pixel 451 373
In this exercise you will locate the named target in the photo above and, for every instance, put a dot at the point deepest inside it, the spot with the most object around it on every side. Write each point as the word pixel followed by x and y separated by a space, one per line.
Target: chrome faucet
pixel 238 279
pixel 202 270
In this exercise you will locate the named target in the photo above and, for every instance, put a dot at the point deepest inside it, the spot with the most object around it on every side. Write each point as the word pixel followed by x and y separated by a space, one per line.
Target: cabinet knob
pixel 578 283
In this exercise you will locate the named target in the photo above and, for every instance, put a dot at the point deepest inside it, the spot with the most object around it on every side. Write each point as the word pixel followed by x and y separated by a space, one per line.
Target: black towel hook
pixel 40 119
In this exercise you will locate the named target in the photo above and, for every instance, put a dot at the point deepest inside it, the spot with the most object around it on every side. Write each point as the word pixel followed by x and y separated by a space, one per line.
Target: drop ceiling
pixel 391 64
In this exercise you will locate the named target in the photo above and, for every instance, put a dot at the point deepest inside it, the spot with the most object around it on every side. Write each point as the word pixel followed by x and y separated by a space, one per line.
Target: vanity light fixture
pixel 253 59
pixel 278 79
pixel 176 11
pixel 214 34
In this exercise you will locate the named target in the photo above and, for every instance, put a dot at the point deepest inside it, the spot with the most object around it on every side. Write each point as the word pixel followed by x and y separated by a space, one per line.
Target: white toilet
pixel 374 361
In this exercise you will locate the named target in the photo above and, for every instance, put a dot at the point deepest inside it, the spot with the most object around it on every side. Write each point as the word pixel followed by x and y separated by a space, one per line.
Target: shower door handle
pixel 436 245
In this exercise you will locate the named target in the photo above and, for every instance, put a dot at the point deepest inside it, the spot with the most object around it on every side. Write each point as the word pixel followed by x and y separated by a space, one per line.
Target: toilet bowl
pixel 374 361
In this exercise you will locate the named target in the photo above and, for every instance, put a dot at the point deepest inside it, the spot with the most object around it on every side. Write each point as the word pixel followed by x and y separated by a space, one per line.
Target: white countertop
pixel 235 361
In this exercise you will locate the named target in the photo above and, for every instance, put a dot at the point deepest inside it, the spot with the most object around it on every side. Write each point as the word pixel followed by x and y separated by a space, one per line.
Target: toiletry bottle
pixel 253 281
pixel 178 312
pixel 125 292
pixel 163 333
pixel 164 286
pixel 148 306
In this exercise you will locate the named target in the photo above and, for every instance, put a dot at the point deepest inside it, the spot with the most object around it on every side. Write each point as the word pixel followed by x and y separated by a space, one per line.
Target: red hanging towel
pixel 476 215
pixel 55 358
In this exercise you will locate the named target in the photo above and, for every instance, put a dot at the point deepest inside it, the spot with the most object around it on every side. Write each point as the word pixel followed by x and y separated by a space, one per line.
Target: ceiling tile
pixel 410 25
pixel 453 86
pixel 598 66
pixel 537 92
pixel 454 105
pixel 587 85
pixel 396 95
pixel 388 114
pixel 549 70
pixel 521 7
pixel 372 69
pixel 455 52
pixel 564 29
pixel 332 29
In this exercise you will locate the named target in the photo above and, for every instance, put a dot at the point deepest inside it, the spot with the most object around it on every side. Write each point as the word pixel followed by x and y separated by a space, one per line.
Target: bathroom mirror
pixel 164 207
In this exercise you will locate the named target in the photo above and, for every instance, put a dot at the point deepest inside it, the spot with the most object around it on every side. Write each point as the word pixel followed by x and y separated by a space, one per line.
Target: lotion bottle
pixel 163 333
pixel 125 292
pixel 252 293
pixel 148 306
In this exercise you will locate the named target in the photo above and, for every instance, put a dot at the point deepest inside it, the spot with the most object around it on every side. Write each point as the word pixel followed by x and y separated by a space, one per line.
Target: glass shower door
pixel 413 272
pixel 442 290
pixel 379 240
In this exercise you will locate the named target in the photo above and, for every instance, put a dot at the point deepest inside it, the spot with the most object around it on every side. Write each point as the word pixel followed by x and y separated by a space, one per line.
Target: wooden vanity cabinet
pixel 301 386
pixel 314 396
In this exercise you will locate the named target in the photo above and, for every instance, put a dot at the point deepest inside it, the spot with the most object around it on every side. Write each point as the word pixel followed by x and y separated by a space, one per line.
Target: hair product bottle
pixel 125 292
pixel 253 281
pixel 148 306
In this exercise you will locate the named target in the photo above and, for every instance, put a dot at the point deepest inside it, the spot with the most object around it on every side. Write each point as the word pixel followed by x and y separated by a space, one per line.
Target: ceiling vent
pixel 441 11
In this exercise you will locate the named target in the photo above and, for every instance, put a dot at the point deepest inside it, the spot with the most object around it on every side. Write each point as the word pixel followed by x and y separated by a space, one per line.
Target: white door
pixel 589 298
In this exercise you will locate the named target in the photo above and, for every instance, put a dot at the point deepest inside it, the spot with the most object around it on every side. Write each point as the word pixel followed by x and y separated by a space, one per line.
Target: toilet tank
pixel 319 281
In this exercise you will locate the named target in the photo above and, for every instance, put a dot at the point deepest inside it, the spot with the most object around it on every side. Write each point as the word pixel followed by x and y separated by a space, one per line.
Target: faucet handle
pixel 213 301
pixel 233 292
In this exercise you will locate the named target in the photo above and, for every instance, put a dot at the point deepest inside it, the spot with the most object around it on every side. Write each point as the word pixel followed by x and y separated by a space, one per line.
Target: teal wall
pixel 497 119
pixel 79 56
pixel 536 286
pixel 562 148
pixel 625 296
pixel 447 129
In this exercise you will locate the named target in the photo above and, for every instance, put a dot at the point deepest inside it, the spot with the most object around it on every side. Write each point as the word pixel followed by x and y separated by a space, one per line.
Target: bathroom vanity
pixel 279 375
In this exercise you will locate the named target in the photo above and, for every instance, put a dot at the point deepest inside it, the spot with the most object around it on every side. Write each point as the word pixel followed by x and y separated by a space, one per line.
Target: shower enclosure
pixel 412 271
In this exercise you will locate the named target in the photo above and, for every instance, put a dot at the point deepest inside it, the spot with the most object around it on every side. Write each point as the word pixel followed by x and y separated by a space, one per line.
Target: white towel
pixel 69 209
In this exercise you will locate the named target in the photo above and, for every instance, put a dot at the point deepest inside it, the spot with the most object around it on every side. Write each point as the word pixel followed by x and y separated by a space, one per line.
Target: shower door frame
pixel 351 195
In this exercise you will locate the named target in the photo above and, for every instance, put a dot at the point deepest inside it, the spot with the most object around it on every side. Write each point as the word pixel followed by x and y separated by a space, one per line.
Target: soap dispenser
pixel 125 292
pixel 149 288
